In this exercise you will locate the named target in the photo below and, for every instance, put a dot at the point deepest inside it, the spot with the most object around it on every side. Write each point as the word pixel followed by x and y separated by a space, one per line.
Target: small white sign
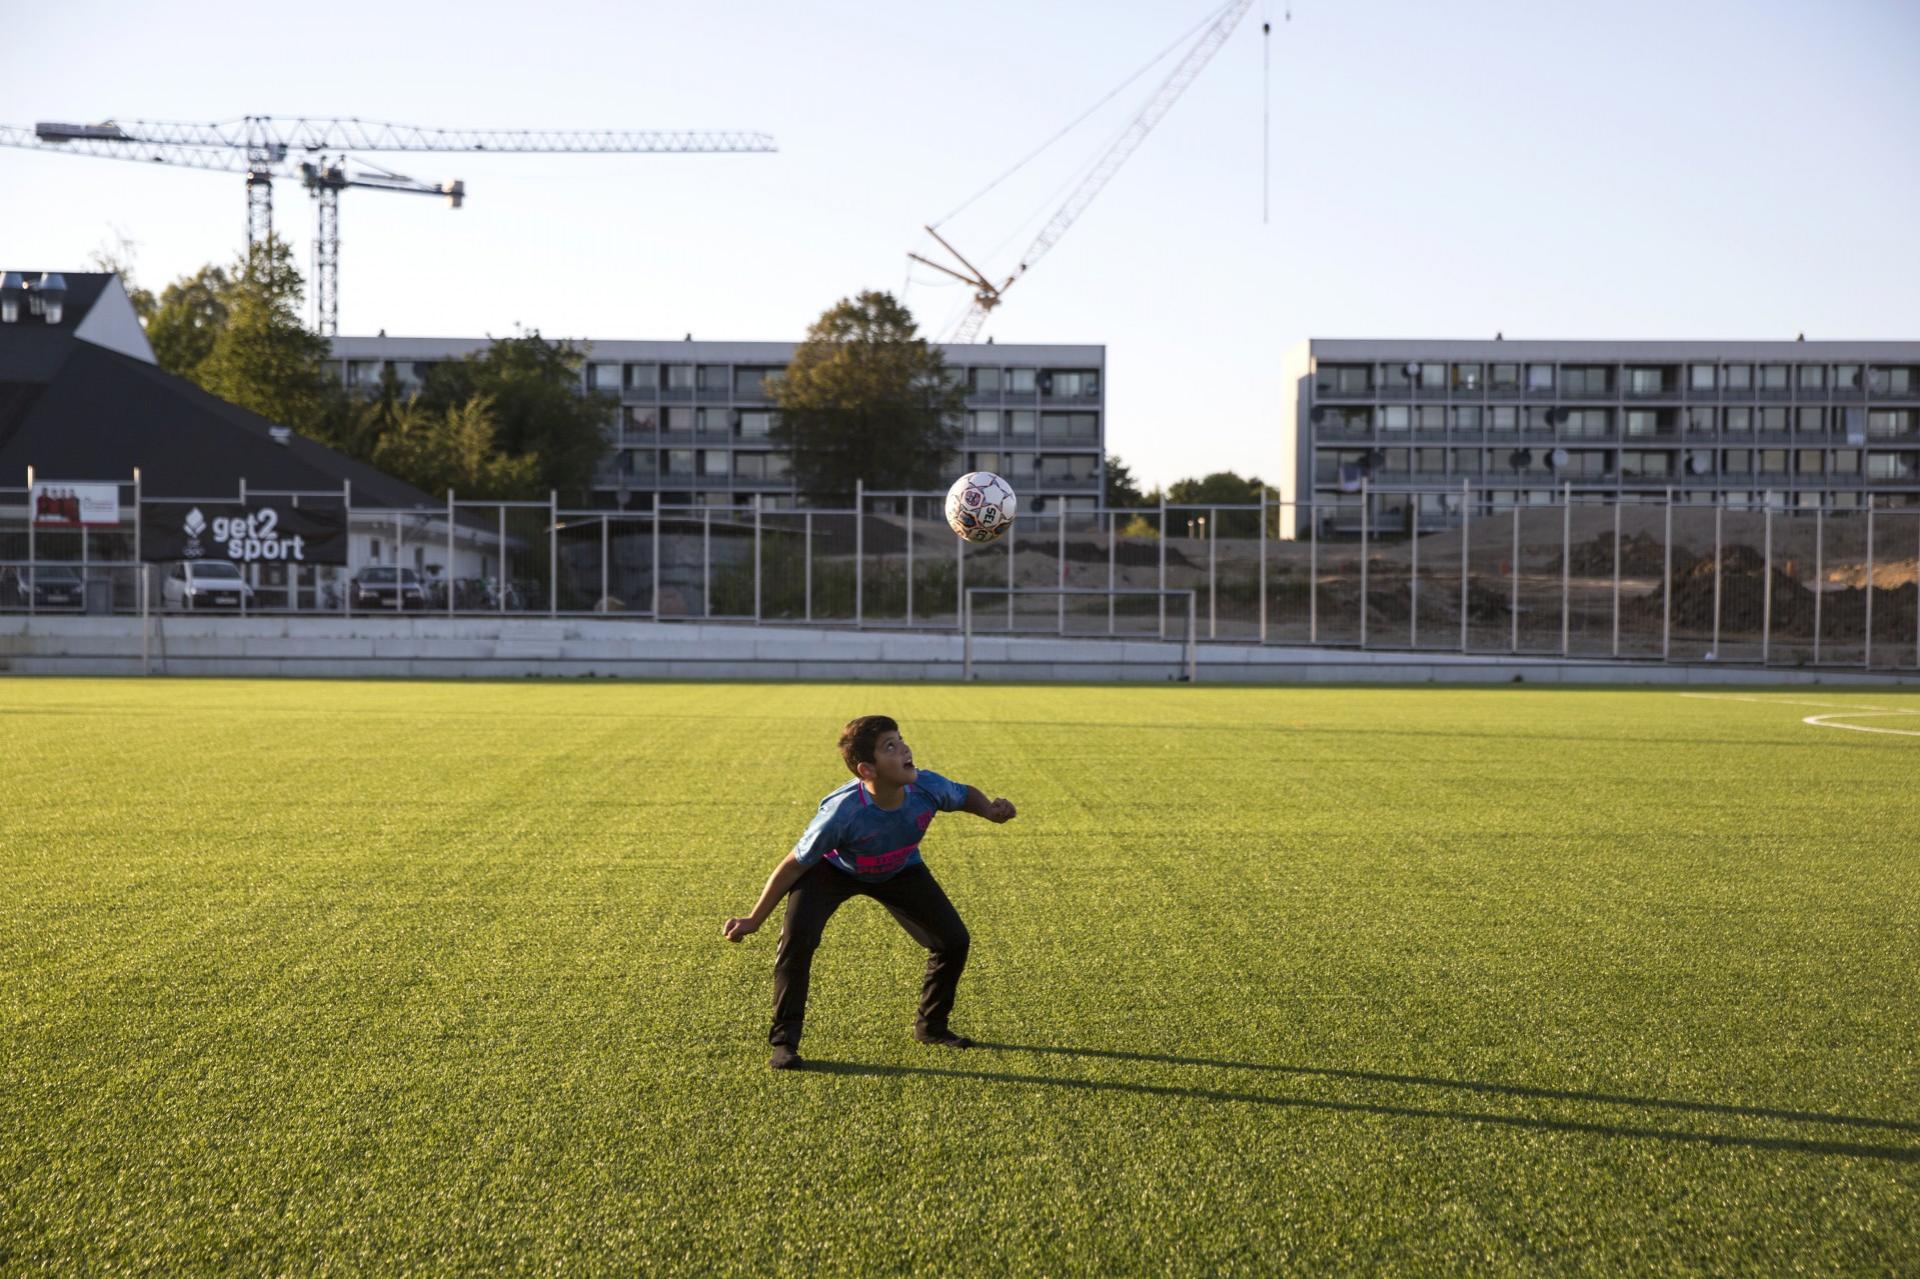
pixel 76 505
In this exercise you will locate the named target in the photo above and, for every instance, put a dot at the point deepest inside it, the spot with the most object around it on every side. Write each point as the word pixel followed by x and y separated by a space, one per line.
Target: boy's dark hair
pixel 860 736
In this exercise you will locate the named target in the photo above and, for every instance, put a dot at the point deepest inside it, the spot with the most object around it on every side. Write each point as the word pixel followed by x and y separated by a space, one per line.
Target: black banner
pixel 260 532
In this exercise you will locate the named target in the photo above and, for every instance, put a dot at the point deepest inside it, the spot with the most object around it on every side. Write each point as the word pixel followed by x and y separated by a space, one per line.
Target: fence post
pixel 1513 586
pixel 1566 566
pixel 1466 525
pixel 1366 508
pixel 706 562
pixel 1867 653
pixel 909 561
pixel 1161 585
pixel 859 552
pixel 602 605
pixel 656 555
pixel 1313 571
pixel 1113 541
pixel 1718 510
pixel 33 573
pixel 1766 585
pixel 1413 574
pixel 1213 595
pixel 399 560
pixel 1062 583
pixel 1616 575
pixel 1262 563
pixel 1011 533
pixel 346 587
pixel 451 581
pixel 553 553
pixel 756 559
pixel 505 581
pixel 136 524
pixel 1193 643
pixel 1819 572
pixel 1666 585
pixel 960 578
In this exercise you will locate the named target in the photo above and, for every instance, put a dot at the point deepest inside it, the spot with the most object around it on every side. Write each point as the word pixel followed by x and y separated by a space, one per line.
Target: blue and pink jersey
pixel 871 843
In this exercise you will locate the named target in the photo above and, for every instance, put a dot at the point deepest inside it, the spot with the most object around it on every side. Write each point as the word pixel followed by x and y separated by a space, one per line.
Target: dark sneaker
pixel 942 1038
pixel 785 1058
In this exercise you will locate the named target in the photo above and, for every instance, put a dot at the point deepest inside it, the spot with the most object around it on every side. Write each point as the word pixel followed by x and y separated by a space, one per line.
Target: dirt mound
pixel 1743 601
pixel 1641 555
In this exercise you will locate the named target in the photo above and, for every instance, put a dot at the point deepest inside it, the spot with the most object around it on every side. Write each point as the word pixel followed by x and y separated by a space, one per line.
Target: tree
pixel 451 450
pixel 1121 488
pixel 184 324
pixel 533 388
pixel 867 399
pixel 1226 488
pixel 119 261
pixel 263 358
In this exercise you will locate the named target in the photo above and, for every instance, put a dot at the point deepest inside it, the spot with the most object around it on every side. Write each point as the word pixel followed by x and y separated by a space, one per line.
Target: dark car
pixel 378 587
pixel 47 585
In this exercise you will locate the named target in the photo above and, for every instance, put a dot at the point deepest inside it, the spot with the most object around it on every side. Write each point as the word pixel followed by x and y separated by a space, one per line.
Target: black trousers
pixel 912 897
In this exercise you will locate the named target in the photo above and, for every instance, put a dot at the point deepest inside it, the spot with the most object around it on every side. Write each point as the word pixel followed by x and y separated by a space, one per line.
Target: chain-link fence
pixel 1429 571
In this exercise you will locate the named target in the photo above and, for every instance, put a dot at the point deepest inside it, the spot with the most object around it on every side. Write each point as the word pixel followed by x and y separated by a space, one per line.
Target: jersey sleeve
pixel 950 795
pixel 822 833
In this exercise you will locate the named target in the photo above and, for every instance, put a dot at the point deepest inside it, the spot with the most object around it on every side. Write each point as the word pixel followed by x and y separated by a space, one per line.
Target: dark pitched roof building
pixel 83 400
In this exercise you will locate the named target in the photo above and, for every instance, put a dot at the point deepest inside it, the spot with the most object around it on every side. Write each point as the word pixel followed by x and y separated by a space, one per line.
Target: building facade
pixel 689 423
pixel 1484 425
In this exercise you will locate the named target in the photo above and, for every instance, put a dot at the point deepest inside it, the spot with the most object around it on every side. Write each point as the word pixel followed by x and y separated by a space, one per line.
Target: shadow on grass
pixel 1795 1145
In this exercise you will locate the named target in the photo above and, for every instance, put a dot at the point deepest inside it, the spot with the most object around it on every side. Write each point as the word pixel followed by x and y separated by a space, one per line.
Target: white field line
pixel 1788 701
pixel 1821 721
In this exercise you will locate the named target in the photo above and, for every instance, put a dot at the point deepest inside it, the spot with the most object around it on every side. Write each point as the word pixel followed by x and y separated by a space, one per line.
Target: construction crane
pixel 315 151
pixel 986 294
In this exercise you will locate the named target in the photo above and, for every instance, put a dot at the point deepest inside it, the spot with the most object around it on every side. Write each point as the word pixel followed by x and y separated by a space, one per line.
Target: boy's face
pixel 892 761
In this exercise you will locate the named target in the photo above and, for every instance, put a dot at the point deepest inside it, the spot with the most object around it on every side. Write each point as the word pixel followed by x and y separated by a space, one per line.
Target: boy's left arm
pixel 994 810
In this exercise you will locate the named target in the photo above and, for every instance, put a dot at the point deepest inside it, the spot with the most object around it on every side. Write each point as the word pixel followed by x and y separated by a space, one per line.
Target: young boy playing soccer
pixel 865 841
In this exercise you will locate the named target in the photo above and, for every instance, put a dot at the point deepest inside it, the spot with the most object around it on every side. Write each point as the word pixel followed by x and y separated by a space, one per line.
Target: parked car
pixel 47 585
pixel 196 584
pixel 376 587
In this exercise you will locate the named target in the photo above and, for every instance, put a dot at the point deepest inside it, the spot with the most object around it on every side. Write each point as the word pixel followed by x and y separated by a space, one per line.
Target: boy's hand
pixel 736 929
pixel 999 810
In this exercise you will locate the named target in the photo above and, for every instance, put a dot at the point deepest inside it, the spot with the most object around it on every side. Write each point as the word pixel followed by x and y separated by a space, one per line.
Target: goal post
pixel 1055 621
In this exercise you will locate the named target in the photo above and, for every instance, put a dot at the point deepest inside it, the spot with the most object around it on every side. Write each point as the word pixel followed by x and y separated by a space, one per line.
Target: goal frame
pixel 1190 649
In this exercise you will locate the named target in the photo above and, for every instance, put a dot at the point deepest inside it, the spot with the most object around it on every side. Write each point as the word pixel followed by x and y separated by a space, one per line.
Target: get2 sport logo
pixel 297 534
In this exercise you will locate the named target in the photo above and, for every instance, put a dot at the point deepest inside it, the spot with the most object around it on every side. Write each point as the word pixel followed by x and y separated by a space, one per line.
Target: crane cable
pixel 1077 120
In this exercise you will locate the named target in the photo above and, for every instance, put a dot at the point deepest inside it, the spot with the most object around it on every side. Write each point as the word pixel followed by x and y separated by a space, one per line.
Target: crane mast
pixel 260 147
pixel 988 295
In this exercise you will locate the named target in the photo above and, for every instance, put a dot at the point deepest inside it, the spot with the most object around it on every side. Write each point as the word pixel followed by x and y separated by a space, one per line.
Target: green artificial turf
pixel 327 978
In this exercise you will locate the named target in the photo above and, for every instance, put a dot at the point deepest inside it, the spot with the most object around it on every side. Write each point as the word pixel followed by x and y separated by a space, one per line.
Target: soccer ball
pixel 980 506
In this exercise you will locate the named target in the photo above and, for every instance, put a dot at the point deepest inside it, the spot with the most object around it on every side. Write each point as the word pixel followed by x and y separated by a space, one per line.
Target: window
pixel 1503 417
pixel 1398 377
pixel 1886 424
pixel 1343 379
pixel 1586 379
pixel 1771 461
pixel 1701 377
pixel 1395 417
pixel 983 422
pixel 714 462
pixel 1773 420
pixel 604 378
pixel 1853 422
pixel 1846 462
pixel 1021 422
pixel 646 420
pixel 1773 377
pixel 1587 424
pixel 679 377
pixel 719 421
pixel 677 461
pixel 1648 464
pixel 1646 381
pixel 756 384
pixel 1504 377
pixel 643 377
pixel 715 377
pixel 1431 417
pixel 1070 383
pixel 1700 421
pixel 1738 461
pixel 679 419
pixel 1466 377
pixel 1022 464
pixel 750 466
pixel 1846 377
pixel 1739 420
pixel 1433 377
pixel 1077 428
pixel 1020 381
pixel 1466 461
pixel 1809 462
pixel 1813 377
pixel 1430 461
pixel 1809 421
pixel 756 425
pixel 1642 422
pixel 1466 418
pixel 1539 377
pixel 1739 377
pixel 983 381
pixel 1542 419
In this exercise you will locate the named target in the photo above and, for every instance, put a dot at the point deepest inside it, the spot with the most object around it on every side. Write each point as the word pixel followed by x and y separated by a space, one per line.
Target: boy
pixel 865 841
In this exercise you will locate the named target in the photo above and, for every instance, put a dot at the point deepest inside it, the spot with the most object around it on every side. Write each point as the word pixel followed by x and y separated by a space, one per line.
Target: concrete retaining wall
pixel 490 648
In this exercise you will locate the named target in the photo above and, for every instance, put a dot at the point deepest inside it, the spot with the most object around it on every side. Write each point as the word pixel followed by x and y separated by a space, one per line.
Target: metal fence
pixel 1459 572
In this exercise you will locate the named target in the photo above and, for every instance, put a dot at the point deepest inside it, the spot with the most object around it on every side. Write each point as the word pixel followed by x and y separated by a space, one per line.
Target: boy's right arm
pixel 784 876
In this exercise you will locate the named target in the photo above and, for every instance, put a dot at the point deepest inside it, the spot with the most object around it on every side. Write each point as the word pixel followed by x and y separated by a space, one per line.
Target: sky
pixel 1373 168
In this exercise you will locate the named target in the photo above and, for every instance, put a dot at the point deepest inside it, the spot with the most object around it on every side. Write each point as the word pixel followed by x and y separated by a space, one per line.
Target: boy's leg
pixel 914 897
pixel 810 903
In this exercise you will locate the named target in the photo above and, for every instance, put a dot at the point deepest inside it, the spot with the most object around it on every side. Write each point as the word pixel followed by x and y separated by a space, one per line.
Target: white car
pixel 193 584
